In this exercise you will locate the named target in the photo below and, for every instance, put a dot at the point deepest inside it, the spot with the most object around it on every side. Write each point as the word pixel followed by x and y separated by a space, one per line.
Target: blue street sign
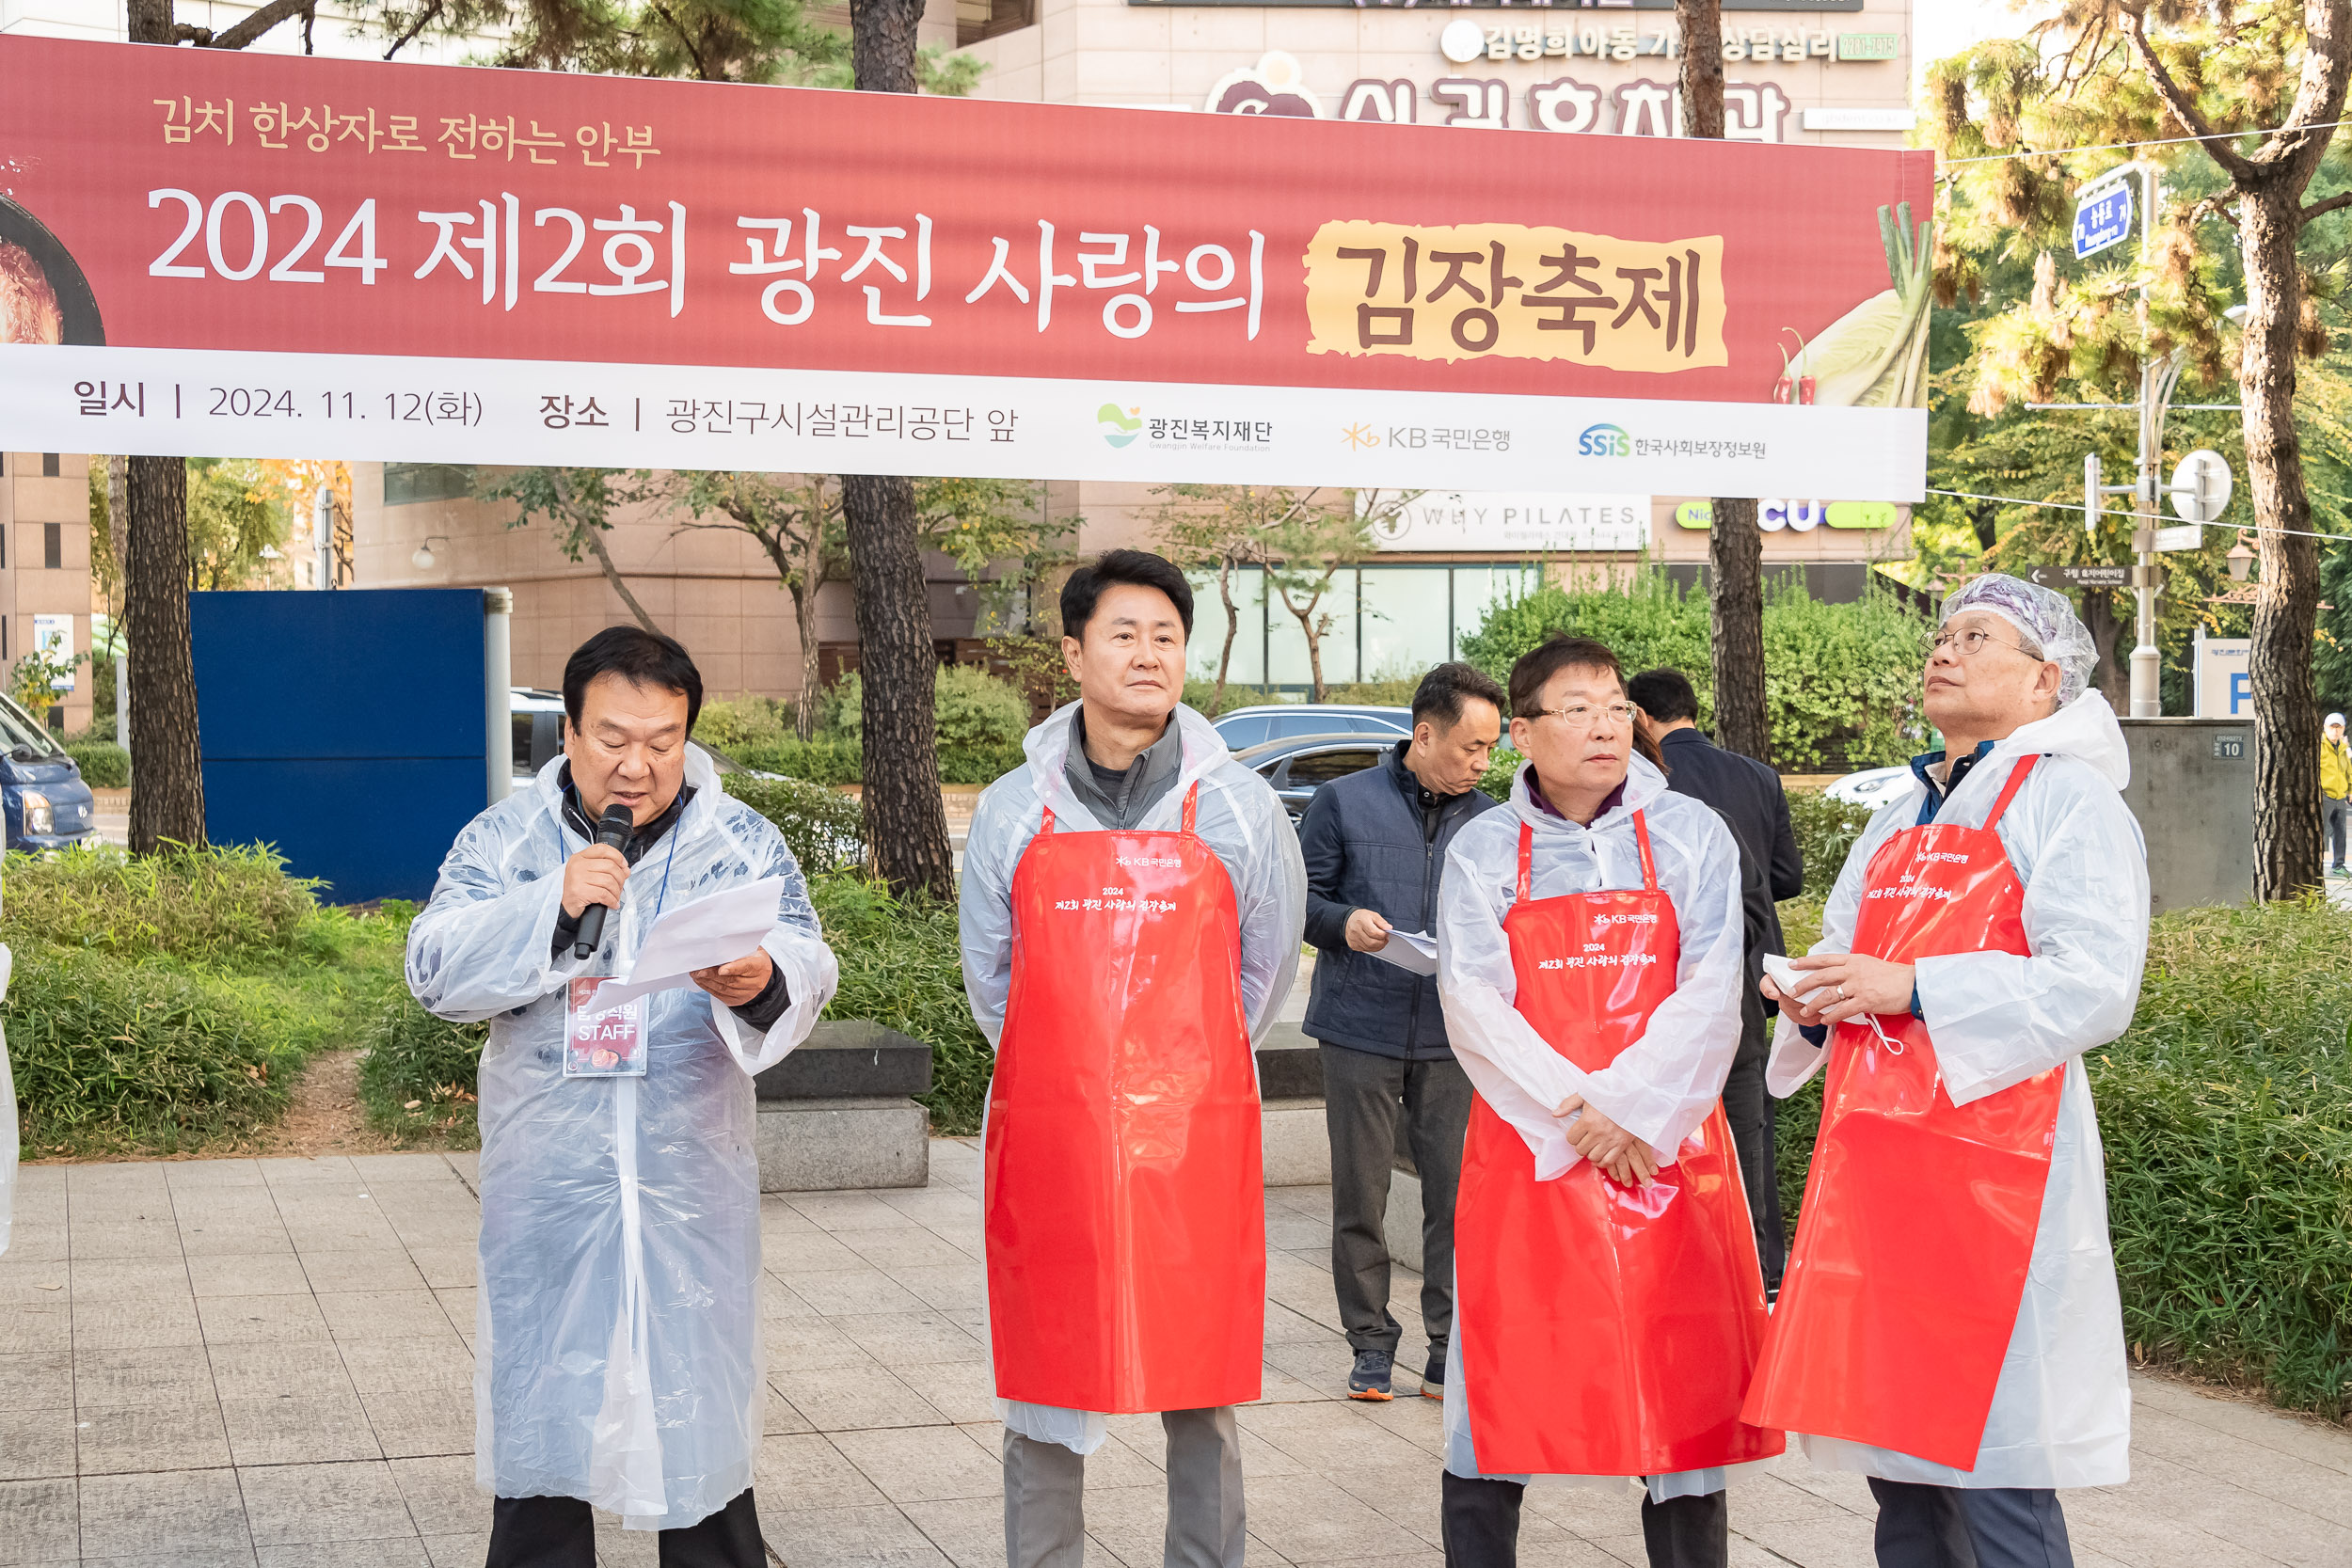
pixel 2102 220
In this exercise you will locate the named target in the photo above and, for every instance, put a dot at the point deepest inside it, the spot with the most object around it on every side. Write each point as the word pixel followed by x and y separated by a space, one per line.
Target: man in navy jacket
pixel 1748 795
pixel 1374 843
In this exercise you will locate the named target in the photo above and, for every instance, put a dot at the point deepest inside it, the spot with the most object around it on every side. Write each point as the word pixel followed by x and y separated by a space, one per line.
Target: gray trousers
pixel 1954 1527
pixel 2331 819
pixel 1044 1501
pixel 1366 1098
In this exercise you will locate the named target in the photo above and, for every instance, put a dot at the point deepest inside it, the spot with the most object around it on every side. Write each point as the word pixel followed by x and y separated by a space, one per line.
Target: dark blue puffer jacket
pixel 1371 844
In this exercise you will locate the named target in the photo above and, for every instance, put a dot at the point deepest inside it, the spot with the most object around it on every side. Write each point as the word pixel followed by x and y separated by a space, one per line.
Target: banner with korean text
pixel 212 252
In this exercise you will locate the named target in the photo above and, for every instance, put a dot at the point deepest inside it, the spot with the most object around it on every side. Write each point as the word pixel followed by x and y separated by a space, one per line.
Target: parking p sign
pixel 2102 218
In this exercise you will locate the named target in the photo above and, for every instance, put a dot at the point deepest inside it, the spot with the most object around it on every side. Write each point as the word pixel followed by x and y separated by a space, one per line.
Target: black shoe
pixel 1370 1380
pixel 1433 1381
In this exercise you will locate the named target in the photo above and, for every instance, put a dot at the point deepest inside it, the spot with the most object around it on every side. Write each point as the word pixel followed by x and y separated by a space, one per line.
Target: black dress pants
pixel 1480 1526
pixel 560 1532
pixel 1954 1527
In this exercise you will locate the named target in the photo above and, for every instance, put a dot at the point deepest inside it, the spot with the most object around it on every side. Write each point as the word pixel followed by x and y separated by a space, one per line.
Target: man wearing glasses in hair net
pixel 1950 1325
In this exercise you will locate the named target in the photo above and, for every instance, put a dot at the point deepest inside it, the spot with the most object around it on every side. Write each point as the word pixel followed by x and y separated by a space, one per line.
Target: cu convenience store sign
pixel 205 251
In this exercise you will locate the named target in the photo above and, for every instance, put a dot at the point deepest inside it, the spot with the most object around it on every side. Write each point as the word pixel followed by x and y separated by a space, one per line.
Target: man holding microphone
pixel 1950 1325
pixel 617 1358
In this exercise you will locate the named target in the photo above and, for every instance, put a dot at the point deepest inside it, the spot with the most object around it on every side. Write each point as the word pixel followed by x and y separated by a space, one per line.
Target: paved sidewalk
pixel 266 1363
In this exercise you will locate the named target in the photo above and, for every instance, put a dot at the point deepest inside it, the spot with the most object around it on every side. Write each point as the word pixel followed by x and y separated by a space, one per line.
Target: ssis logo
pixel 1120 426
pixel 1604 440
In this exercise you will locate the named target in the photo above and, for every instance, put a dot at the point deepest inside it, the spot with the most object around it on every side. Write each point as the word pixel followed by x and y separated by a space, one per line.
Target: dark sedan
pixel 1299 766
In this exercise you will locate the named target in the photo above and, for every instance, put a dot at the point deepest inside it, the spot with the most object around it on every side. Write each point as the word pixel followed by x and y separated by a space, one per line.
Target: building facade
pixel 45 570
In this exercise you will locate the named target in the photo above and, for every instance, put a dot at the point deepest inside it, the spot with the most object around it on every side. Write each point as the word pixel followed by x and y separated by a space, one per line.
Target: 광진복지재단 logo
pixel 1119 425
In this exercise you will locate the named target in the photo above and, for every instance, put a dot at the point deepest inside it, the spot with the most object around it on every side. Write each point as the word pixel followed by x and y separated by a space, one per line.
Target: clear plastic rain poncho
pixel 2045 616
pixel 618 1355
pixel 1239 816
pixel 1661 1086
pixel 2062 1411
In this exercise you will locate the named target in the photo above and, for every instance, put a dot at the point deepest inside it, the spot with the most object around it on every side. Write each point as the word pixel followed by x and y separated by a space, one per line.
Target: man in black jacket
pixel 1748 795
pixel 1374 843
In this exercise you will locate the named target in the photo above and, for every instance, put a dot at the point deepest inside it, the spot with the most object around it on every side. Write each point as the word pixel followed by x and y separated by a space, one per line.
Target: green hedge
pixel 2226 1111
pixel 841 761
pixel 901 967
pixel 103 764
pixel 1826 831
pixel 823 828
pixel 162 1003
pixel 1841 681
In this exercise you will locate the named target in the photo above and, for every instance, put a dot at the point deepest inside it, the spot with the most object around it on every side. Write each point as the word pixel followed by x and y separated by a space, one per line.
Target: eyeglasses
pixel 1583 716
pixel 1970 644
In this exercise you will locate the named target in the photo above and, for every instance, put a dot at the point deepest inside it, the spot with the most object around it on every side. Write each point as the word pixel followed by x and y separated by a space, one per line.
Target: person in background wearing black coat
pixel 1374 843
pixel 1749 797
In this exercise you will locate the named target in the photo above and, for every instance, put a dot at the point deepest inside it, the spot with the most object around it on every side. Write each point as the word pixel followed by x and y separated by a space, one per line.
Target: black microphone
pixel 613 830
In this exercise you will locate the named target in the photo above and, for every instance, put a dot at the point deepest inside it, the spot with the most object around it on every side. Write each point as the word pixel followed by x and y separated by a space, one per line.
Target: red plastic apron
pixel 1606 1330
pixel 1919 1215
pixel 1125 1204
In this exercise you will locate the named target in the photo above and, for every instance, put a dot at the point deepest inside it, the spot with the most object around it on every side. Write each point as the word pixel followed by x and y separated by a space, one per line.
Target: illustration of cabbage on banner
pixel 1875 355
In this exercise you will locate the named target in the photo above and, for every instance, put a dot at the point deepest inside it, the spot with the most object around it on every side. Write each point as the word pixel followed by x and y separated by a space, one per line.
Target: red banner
pixel 241 206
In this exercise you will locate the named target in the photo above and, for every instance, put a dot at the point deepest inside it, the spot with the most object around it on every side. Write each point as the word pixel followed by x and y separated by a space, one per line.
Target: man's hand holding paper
pixel 713 943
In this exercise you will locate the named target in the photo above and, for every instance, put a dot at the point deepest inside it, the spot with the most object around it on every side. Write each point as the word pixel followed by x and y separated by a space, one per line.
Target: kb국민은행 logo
pixel 1604 440
pixel 1119 425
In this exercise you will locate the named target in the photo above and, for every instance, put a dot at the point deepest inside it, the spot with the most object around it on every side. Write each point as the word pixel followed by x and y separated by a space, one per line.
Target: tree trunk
pixel 1735 548
pixel 1735 596
pixel 806 588
pixel 2286 712
pixel 166 757
pixel 1701 78
pixel 906 825
pixel 883 44
pixel 2105 625
pixel 167 801
pixel 1232 626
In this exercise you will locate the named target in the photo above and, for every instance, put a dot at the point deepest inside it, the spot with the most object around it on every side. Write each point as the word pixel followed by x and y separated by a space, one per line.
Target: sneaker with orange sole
pixel 1370 1379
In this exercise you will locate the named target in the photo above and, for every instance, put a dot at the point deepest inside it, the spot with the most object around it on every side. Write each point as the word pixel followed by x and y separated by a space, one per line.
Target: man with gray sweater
pixel 1375 844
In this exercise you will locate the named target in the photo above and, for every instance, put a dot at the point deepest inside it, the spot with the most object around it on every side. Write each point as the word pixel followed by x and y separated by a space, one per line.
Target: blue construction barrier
pixel 345 729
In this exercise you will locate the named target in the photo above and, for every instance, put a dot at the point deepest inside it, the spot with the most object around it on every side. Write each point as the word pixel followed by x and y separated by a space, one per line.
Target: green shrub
pixel 215 906
pixel 2226 1112
pixel 103 764
pixel 1502 765
pixel 109 1056
pixel 1198 695
pixel 901 966
pixel 1389 693
pixel 418 1076
pixel 842 761
pixel 978 765
pixel 728 725
pixel 1841 682
pixel 974 708
pixel 824 762
pixel 823 828
pixel 1826 831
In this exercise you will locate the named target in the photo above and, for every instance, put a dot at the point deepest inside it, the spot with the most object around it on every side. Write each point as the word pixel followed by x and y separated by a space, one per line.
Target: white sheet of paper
pixel 1795 983
pixel 1410 950
pixel 714 930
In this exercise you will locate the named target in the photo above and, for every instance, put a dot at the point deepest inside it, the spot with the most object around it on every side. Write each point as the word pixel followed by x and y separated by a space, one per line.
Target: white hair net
pixel 2044 615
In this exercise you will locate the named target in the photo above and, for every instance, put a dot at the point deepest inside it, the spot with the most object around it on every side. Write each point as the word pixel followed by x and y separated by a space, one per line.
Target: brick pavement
pixel 267 1363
